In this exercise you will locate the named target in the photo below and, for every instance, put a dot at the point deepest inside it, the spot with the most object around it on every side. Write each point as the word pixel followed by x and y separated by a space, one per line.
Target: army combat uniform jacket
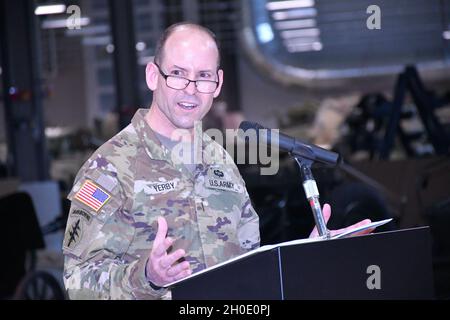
pixel 117 197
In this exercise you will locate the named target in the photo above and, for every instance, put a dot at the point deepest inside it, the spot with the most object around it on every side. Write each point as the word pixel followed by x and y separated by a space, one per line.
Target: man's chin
pixel 185 125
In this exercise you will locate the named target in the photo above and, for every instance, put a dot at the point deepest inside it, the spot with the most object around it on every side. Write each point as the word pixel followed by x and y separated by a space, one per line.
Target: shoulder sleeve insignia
pixel 92 195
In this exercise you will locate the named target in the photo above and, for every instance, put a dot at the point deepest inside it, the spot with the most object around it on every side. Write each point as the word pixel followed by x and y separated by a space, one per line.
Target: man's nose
pixel 190 89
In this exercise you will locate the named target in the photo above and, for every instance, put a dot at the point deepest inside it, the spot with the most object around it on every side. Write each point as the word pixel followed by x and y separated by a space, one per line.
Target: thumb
pixel 161 233
pixel 326 211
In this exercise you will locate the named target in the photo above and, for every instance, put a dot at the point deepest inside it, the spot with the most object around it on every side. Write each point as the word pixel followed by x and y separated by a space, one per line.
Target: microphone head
pixel 248 128
pixel 246 125
pixel 286 143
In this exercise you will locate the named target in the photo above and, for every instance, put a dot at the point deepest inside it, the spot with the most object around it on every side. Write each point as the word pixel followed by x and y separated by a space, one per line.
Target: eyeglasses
pixel 180 83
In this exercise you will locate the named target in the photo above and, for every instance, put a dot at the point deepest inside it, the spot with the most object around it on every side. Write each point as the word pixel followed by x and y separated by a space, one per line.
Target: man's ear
pixel 219 87
pixel 151 76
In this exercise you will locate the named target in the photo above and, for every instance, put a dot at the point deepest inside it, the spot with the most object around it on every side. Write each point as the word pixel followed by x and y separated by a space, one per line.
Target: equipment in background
pixel 376 122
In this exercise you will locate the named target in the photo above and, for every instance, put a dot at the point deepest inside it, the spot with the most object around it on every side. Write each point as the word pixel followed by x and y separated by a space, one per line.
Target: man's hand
pixel 162 268
pixel 327 214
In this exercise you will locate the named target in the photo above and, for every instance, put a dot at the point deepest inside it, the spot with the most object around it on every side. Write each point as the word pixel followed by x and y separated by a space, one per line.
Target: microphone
pixel 291 145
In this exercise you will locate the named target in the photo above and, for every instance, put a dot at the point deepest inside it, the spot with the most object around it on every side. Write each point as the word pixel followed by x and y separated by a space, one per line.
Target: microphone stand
pixel 312 194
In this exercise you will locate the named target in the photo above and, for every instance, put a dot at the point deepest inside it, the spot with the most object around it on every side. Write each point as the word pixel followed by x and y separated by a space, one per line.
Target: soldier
pixel 139 219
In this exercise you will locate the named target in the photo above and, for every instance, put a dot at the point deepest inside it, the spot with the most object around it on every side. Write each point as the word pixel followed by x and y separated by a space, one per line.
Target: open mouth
pixel 187 105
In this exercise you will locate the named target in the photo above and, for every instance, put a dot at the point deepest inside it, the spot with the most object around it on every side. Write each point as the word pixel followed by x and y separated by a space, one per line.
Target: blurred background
pixel 366 78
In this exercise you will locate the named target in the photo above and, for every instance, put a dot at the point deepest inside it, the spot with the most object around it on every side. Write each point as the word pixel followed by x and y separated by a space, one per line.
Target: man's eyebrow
pixel 178 67
pixel 184 69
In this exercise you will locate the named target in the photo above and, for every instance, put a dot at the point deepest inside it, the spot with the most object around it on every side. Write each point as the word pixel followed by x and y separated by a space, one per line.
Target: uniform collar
pixel 155 149
pixel 148 138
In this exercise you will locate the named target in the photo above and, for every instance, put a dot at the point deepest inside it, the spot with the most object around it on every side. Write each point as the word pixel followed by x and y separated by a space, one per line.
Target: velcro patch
pixel 77 231
pixel 74 234
pixel 218 178
pixel 92 195
pixel 223 185
pixel 154 187
pixel 106 182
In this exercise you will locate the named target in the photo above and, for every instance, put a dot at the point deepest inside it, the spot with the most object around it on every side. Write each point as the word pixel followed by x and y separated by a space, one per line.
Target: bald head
pixel 184 29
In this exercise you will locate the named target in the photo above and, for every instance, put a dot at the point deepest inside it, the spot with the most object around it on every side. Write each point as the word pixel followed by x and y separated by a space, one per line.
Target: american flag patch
pixel 92 195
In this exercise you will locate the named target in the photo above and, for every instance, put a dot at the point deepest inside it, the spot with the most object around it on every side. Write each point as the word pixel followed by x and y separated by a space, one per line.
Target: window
pixel 304 40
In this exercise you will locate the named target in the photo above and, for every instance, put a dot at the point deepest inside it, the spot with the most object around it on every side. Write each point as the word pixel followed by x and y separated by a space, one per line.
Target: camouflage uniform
pixel 209 214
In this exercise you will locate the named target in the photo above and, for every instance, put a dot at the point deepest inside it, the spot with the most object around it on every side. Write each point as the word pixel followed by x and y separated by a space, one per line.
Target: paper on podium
pixel 364 227
pixel 282 244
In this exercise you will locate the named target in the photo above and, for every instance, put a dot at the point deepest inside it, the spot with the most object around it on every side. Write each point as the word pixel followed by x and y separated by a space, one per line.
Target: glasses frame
pixel 188 81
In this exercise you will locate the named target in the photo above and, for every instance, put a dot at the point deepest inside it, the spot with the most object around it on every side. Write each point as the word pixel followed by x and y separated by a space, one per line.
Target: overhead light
pixel 446 35
pixel 301 40
pixel 110 48
pixel 295 14
pixel 50 9
pixel 62 23
pixel 283 5
pixel 264 32
pixel 89 31
pixel 295 24
pixel 298 33
pixel 317 46
pixel 98 41
pixel 304 47
pixel 140 46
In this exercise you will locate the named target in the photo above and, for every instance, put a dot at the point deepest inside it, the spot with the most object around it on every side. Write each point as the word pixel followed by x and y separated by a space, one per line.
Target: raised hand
pixel 162 268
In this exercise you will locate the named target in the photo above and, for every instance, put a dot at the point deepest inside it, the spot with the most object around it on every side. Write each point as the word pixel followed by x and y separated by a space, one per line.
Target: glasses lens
pixel 206 86
pixel 180 83
pixel 177 83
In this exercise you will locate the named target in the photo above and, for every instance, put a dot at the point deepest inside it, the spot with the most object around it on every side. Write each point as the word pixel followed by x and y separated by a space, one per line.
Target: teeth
pixel 187 105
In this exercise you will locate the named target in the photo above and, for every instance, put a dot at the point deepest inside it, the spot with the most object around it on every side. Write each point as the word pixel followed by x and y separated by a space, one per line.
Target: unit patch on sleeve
pixel 74 234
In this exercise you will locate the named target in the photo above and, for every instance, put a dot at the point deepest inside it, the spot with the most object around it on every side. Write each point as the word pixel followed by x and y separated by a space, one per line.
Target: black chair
pixel 21 236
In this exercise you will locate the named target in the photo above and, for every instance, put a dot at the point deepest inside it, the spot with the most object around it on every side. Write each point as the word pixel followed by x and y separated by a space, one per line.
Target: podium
pixel 388 265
